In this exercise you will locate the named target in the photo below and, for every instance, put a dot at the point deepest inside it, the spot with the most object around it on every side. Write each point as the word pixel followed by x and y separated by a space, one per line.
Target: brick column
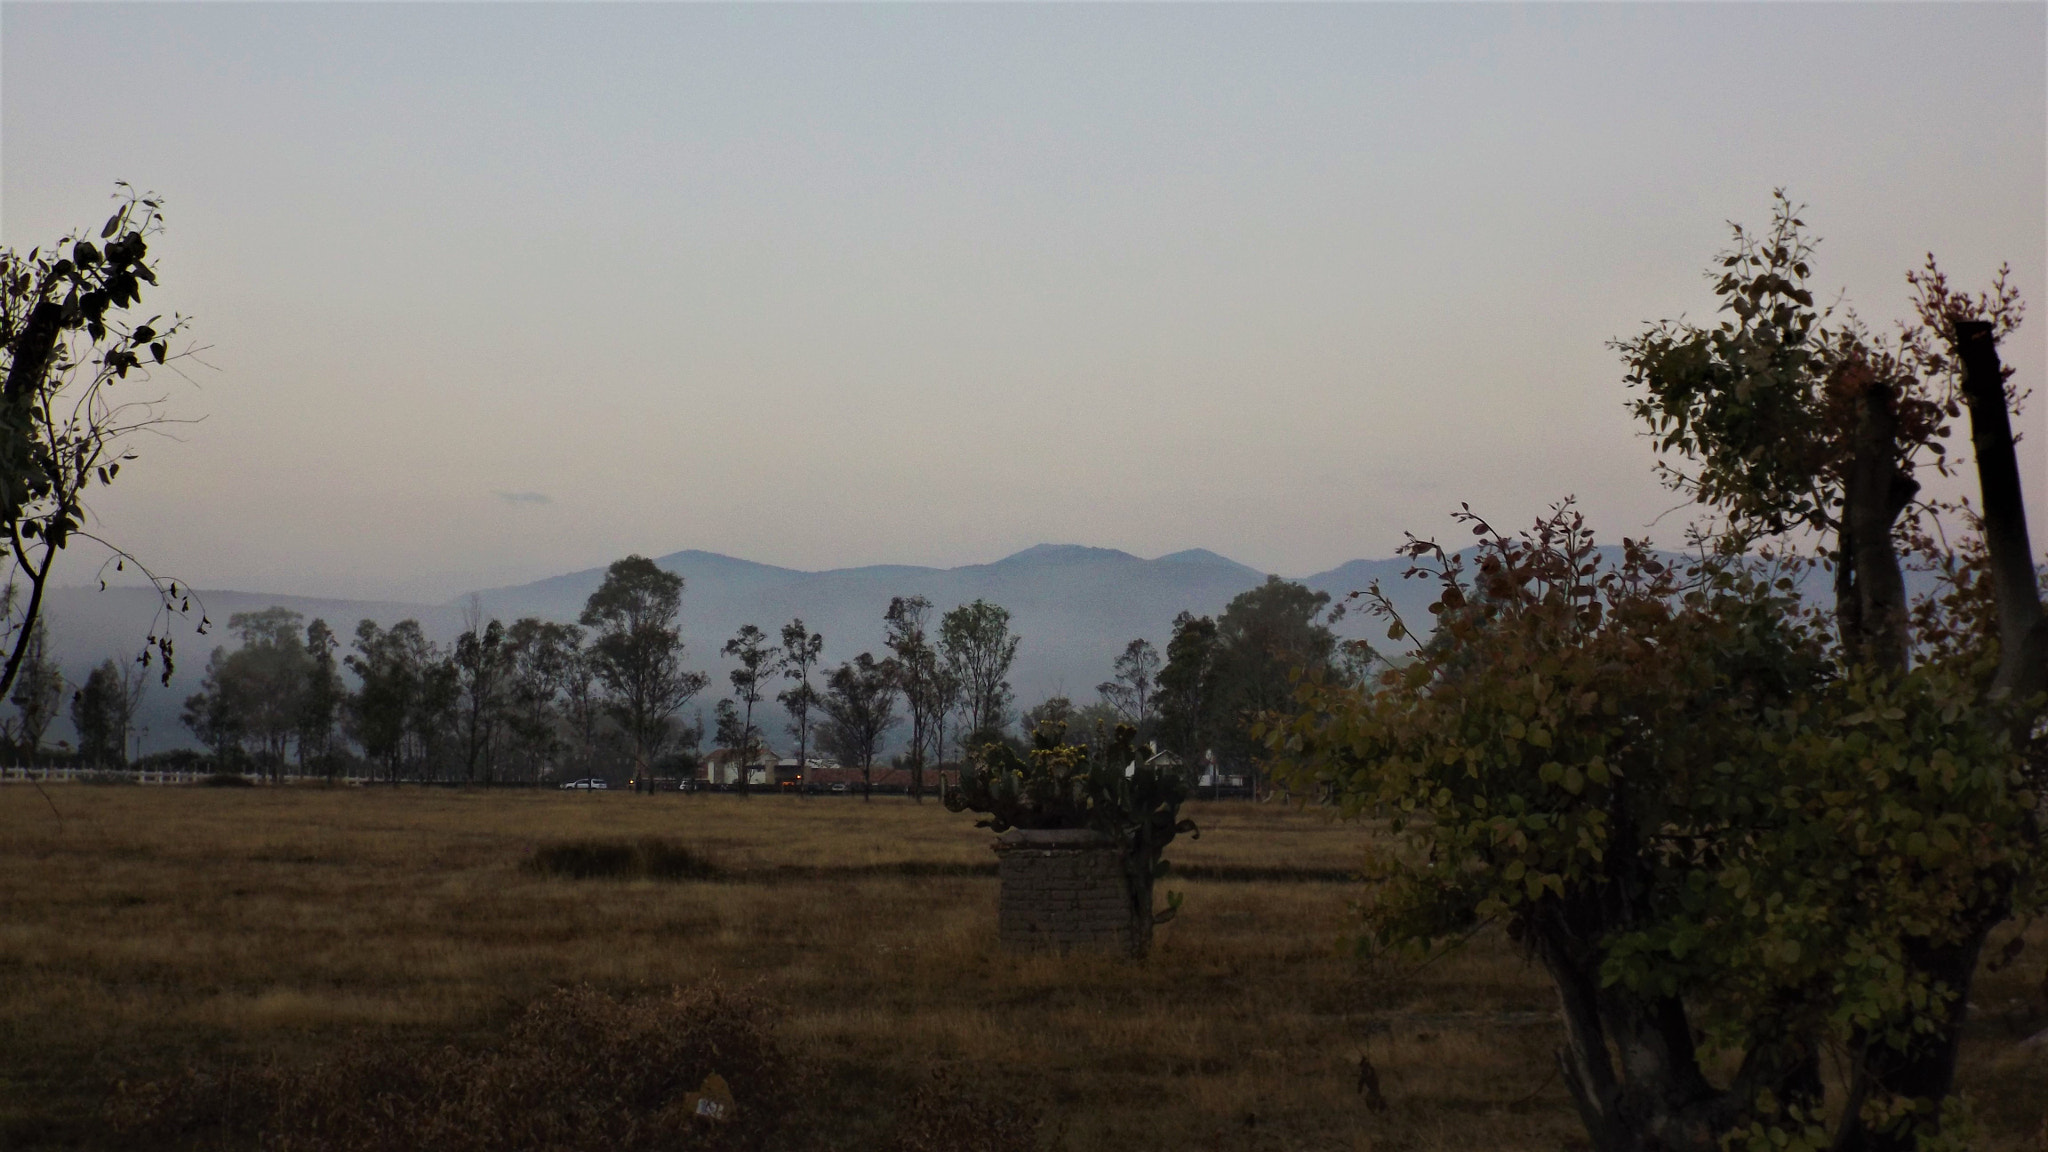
pixel 1062 889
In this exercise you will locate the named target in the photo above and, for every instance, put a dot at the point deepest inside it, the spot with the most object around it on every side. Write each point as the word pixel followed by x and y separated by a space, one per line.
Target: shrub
pixel 228 780
pixel 577 1070
pixel 649 858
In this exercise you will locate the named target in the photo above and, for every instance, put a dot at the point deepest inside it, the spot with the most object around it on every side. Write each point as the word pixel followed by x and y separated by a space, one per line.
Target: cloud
pixel 524 497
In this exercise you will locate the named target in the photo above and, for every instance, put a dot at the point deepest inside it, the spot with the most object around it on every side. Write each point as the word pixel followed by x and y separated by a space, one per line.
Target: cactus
pixel 1109 789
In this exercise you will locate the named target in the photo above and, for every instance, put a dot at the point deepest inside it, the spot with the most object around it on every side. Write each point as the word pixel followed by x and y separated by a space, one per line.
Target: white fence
pixel 143 776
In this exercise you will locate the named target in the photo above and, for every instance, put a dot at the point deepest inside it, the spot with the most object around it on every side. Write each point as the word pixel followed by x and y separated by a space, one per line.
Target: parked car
pixel 588 783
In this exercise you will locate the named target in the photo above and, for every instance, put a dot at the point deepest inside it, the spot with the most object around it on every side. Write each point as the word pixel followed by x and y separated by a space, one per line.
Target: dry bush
pixel 648 858
pixel 577 1070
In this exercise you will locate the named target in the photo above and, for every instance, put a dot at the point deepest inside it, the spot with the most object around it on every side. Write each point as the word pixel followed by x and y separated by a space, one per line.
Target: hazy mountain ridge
pixel 1074 606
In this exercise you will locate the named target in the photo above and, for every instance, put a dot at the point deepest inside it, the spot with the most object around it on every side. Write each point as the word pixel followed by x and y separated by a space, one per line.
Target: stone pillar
pixel 1062 889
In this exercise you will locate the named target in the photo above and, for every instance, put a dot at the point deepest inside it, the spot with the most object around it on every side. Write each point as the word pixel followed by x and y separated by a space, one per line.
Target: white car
pixel 587 784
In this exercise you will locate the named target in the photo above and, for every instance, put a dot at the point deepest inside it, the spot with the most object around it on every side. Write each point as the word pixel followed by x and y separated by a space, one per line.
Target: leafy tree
pixel 801 650
pixel 70 338
pixel 1188 690
pixel 542 657
pixel 1057 711
pixel 404 705
pixel 321 701
pixel 860 708
pixel 1266 637
pixel 583 708
pixel 1132 689
pixel 265 681
pixel 757 659
pixel 979 649
pixel 100 712
pixel 213 713
pixel 482 666
pixel 636 652
pixel 1737 833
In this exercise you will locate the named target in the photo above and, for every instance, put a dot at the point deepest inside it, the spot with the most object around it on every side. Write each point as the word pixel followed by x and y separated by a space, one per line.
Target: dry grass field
pixel 155 930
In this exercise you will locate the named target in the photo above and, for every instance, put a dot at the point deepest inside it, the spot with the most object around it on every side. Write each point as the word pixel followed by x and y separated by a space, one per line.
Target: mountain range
pixel 1075 608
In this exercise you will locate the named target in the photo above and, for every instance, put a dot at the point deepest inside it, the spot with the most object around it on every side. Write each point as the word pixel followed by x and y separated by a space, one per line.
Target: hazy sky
pixel 499 291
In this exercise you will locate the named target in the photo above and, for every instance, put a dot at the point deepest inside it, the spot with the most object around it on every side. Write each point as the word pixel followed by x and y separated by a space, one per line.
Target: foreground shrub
pixel 649 858
pixel 577 1070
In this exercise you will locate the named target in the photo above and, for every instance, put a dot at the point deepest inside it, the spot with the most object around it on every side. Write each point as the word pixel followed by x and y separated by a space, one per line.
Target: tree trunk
pixel 1877 490
pixel 2022 630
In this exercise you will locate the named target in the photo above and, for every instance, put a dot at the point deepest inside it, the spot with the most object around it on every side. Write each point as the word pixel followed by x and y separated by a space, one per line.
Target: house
pixel 721 769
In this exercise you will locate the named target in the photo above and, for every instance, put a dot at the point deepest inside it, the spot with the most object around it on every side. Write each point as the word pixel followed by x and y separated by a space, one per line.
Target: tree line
pixel 535 699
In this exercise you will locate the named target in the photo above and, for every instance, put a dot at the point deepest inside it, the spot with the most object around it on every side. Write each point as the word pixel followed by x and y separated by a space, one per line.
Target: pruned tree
pixel 801 651
pixel 979 649
pixel 860 708
pixel 636 651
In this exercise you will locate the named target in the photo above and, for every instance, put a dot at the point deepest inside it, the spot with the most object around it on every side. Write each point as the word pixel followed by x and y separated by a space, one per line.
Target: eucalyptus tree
pixel 860 708
pixel 1133 687
pixel 543 657
pixel 636 652
pixel 928 689
pixel 756 659
pixel 801 651
pixel 979 650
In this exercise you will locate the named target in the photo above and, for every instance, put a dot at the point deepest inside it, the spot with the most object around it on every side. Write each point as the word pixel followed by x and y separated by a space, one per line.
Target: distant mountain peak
pixel 1203 557
pixel 1064 554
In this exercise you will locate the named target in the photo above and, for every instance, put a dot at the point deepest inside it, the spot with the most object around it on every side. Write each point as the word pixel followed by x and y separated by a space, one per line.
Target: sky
pixel 492 292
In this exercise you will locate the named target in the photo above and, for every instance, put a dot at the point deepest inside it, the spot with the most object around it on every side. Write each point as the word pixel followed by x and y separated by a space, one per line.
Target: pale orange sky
pixel 496 292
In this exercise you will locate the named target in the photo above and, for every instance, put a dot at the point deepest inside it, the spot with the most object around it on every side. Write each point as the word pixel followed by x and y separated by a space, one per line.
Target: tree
pixel 1187 691
pixel 321 702
pixel 757 658
pixel 71 339
pixel 406 697
pixel 928 689
pixel 1265 639
pixel 542 658
pixel 801 650
pixel 636 651
pixel 481 669
pixel 979 649
pixel 99 712
pixel 268 676
pixel 38 691
pixel 1056 711
pixel 1780 421
pixel 1130 691
pixel 1736 832
pixel 860 707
